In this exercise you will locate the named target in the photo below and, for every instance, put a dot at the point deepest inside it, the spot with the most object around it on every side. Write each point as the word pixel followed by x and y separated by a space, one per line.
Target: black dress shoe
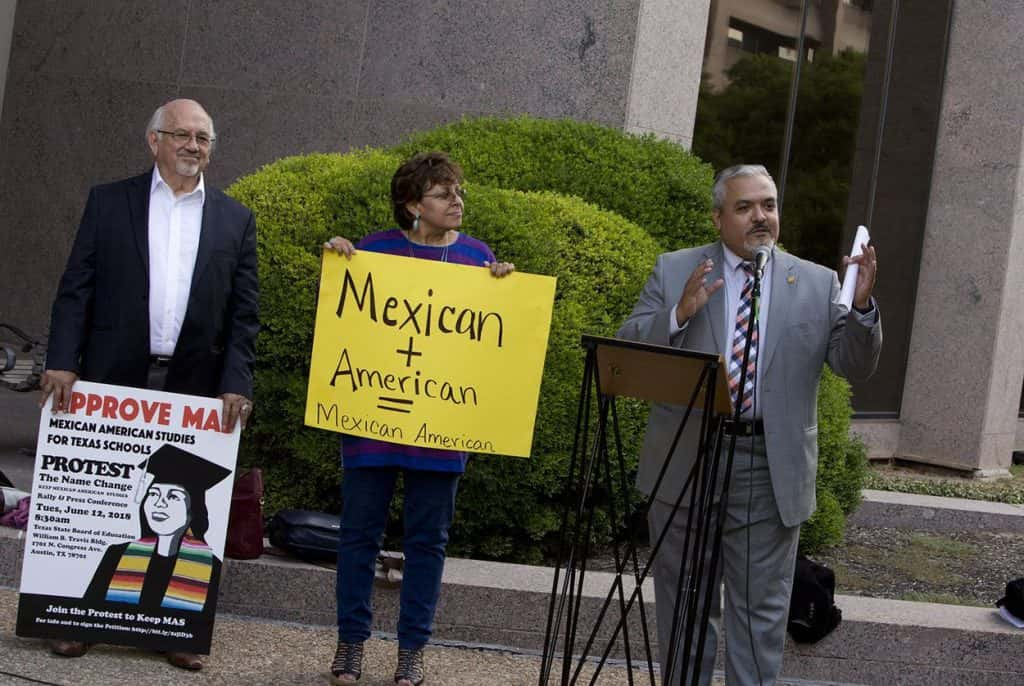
pixel 69 648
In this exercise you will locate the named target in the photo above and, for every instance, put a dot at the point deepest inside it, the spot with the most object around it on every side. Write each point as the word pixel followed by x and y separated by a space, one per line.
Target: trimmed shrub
pixel 842 461
pixel 299 202
pixel 666 190
pixel 842 466
pixel 655 183
pixel 825 527
pixel 508 507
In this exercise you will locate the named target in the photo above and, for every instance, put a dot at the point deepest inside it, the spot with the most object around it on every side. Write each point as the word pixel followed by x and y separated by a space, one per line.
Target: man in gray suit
pixel 697 298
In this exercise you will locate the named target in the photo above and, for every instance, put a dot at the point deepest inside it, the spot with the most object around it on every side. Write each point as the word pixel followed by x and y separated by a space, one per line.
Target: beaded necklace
pixel 410 244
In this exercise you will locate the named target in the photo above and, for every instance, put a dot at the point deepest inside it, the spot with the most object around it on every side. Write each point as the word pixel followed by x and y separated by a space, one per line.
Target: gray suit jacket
pixel 806 329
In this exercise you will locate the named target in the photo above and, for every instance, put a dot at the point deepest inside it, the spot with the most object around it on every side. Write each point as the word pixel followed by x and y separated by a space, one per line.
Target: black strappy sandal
pixel 410 666
pixel 348 659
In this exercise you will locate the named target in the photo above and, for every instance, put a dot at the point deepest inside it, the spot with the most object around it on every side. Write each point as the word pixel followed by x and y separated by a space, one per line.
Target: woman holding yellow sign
pixel 428 202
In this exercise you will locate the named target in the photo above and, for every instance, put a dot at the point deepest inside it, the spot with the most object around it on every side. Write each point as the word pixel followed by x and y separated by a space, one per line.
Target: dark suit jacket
pixel 100 322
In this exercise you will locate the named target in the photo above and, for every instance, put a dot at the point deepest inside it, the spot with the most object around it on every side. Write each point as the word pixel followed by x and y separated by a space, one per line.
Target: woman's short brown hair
pixel 411 181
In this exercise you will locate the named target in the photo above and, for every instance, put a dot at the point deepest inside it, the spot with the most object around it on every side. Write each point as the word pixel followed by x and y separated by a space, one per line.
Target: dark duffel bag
pixel 311 536
pixel 812 610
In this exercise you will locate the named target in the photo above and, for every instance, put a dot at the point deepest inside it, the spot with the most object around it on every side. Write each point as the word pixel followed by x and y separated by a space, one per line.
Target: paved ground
pixel 255 652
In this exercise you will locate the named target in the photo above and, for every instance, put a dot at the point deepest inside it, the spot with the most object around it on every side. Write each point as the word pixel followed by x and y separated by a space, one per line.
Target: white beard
pixel 186 167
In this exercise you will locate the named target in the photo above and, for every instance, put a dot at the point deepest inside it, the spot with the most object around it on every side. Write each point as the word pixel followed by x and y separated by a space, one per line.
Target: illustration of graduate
pixel 170 567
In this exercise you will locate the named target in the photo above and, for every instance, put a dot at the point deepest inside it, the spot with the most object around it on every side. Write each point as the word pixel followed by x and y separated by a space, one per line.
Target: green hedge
pixel 508 507
pixel 298 203
pixel 665 189
pixel 655 183
pixel 842 466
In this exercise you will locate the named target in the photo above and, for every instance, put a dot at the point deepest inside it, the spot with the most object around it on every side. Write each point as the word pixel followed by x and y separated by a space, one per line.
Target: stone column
pixel 667 59
pixel 903 187
pixel 6 30
pixel 966 359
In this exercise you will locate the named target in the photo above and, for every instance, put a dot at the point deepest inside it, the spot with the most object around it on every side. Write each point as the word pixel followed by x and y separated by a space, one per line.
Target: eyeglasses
pixel 182 137
pixel 448 195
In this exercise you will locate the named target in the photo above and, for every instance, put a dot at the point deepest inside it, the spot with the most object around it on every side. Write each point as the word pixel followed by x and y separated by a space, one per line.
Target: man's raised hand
pixel 696 292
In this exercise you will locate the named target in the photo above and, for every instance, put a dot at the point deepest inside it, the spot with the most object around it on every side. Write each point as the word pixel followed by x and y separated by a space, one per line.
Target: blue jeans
pixel 427 514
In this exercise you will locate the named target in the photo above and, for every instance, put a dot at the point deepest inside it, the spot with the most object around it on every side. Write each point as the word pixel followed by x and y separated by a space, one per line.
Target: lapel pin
pixel 791 279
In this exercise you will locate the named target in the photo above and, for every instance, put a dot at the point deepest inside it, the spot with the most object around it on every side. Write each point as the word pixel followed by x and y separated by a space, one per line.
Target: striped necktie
pixel 743 314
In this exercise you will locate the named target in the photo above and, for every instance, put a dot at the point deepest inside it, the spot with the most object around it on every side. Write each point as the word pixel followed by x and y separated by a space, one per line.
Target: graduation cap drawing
pixel 172 465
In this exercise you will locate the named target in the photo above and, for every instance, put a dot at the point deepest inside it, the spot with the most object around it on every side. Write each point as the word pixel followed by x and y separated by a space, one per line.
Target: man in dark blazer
pixel 695 299
pixel 160 289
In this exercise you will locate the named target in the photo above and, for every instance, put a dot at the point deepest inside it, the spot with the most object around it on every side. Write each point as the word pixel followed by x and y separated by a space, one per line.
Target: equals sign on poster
pixel 394 404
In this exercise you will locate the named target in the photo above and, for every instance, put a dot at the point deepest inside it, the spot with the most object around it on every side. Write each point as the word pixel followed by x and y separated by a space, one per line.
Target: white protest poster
pixel 130 501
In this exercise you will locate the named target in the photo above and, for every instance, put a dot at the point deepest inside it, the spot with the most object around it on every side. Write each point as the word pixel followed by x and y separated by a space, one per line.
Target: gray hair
pixel 160 115
pixel 156 121
pixel 718 190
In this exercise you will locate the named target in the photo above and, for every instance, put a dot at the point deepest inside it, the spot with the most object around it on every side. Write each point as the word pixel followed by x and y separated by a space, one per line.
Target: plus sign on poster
pixel 429 354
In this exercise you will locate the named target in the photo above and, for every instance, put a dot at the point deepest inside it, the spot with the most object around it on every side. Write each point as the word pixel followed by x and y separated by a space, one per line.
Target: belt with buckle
pixel 743 427
pixel 159 361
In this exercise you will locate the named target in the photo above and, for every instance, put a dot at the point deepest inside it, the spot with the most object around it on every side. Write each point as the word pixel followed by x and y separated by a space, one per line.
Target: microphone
pixel 761 254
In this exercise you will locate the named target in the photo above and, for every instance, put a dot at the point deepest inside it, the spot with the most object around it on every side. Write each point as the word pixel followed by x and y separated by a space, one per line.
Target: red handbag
pixel 245 521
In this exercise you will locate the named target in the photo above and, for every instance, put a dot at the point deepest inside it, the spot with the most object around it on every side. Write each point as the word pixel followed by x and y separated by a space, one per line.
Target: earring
pixel 416 222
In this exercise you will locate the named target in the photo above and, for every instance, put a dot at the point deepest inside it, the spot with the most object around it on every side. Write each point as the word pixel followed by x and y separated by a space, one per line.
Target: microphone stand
pixel 694 668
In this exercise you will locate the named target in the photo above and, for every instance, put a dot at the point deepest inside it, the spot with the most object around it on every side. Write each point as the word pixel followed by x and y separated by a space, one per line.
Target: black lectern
pixel 597 480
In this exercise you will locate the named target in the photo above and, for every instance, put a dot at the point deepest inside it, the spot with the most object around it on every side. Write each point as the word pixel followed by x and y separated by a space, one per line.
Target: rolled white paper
pixel 850 278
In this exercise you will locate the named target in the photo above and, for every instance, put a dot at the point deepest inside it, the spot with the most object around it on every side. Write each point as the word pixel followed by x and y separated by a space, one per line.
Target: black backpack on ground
pixel 1013 600
pixel 812 610
pixel 310 536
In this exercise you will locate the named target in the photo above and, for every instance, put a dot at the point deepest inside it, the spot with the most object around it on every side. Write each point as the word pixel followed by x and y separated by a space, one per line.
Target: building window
pixel 750 38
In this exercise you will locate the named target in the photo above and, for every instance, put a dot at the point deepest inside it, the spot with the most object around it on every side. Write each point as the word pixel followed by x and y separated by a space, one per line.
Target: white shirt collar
pixel 158 182
pixel 733 261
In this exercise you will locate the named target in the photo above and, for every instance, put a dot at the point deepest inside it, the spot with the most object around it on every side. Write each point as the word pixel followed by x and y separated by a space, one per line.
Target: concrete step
pixel 879 642
pixel 933 513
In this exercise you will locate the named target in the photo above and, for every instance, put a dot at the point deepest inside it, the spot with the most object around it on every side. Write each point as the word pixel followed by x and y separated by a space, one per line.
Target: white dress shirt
pixel 174 225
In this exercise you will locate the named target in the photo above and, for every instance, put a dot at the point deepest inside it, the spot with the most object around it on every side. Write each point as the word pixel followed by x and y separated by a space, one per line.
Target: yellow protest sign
pixel 429 354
